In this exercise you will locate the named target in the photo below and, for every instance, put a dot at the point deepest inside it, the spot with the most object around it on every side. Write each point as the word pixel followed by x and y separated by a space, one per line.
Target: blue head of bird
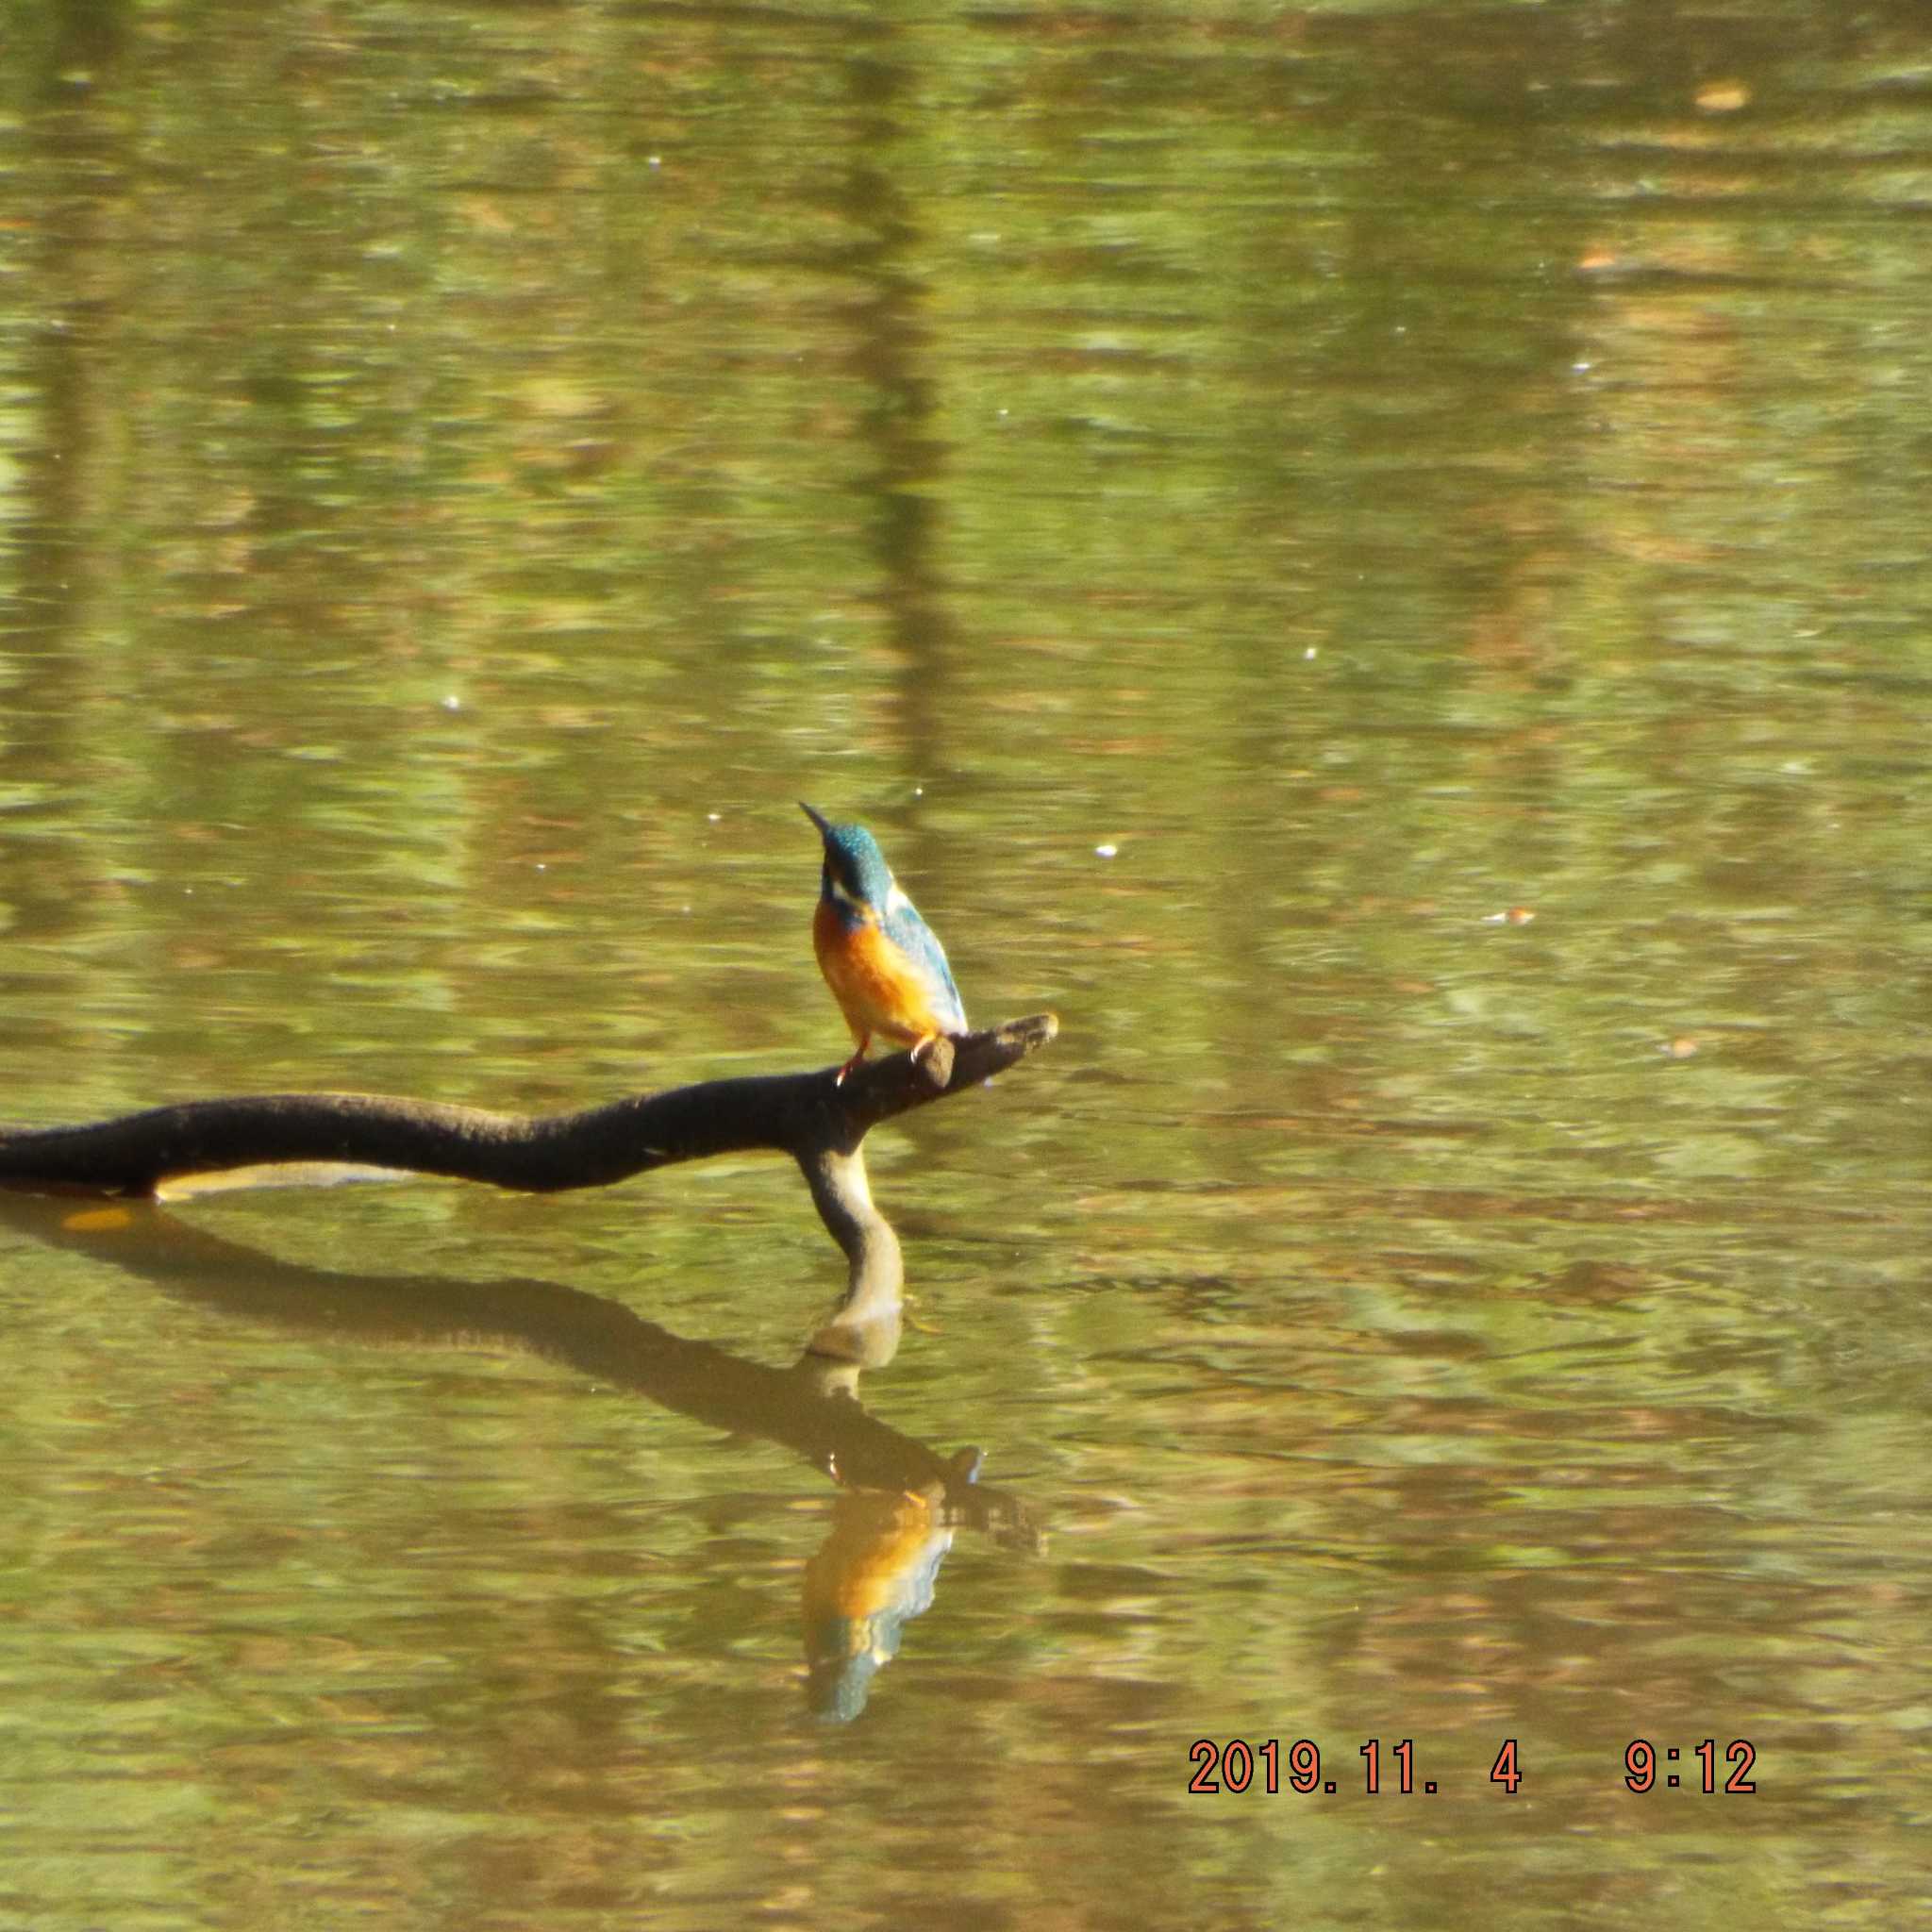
pixel 855 873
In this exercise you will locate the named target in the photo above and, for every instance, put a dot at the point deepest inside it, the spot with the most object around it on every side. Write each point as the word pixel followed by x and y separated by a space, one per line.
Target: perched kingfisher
pixel 885 970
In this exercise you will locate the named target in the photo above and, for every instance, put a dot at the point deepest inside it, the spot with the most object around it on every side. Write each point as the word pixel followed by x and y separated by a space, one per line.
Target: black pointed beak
pixel 817 818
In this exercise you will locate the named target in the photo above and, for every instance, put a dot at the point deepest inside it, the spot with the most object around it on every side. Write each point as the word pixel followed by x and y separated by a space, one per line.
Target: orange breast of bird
pixel 861 1568
pixel 877 989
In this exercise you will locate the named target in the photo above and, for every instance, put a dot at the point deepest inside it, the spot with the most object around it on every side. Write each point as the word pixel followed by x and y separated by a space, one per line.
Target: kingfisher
pixel 885 970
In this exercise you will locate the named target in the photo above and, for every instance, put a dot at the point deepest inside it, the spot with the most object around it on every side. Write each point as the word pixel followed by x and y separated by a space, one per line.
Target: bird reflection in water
pixel 868 1579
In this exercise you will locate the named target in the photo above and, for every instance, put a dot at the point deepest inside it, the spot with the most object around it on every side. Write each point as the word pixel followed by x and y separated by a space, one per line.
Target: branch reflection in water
pixel 899 1499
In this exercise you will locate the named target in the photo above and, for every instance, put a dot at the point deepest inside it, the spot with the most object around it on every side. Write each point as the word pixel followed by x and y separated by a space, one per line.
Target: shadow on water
pixel 899 1503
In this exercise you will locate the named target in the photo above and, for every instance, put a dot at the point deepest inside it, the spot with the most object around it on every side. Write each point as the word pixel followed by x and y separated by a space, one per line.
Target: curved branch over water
pixel 813 1117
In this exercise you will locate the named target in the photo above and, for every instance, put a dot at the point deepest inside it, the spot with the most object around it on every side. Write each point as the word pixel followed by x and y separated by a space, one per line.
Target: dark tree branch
pixel 800 1114
pixel 817 1121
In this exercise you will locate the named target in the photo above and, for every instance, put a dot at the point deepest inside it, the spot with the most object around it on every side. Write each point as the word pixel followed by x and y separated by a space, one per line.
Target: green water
pixel 1370 558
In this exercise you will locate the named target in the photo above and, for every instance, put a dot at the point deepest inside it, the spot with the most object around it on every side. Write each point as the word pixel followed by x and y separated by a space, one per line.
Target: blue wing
pixel 903 925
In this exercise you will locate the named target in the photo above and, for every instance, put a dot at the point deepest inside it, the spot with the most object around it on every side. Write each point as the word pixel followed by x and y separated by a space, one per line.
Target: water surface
pixel 1372 559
